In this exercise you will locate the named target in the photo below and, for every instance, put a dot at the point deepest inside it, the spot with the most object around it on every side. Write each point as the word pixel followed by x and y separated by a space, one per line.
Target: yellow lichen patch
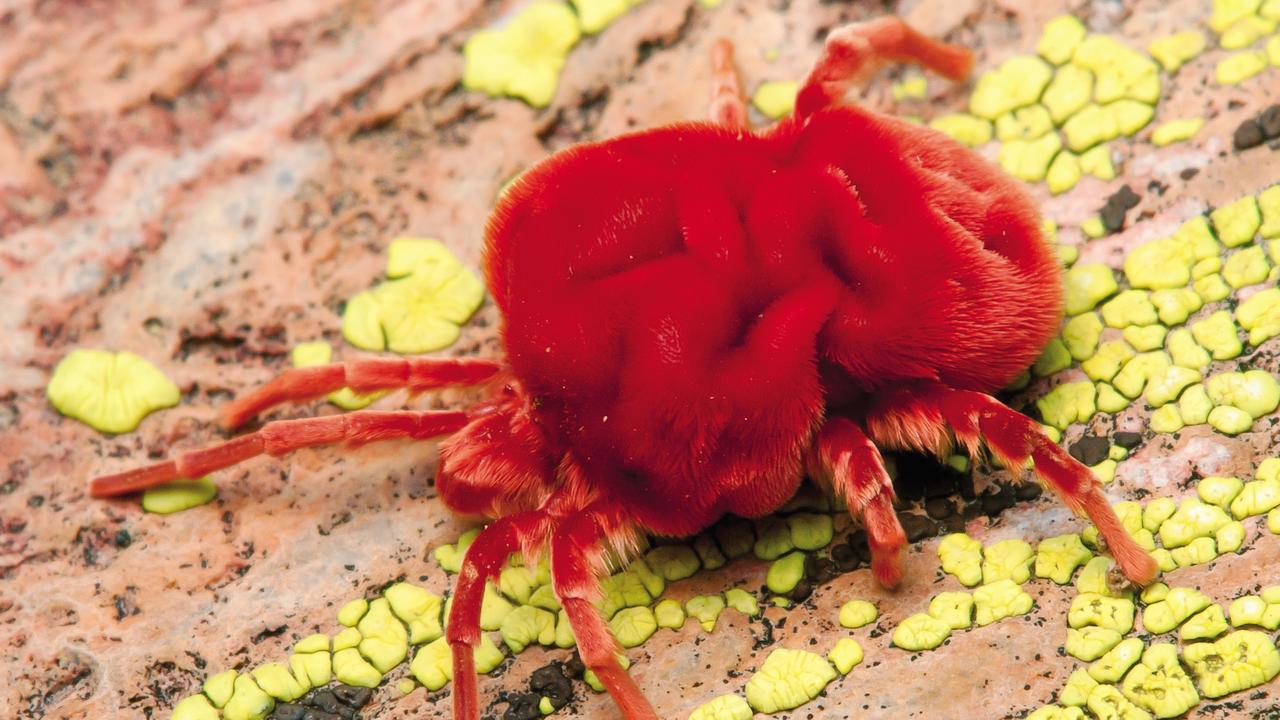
pixel 705 609
pixel 384 640
pixel 1204 625
pixel 1246 267
pixel 1156 512
pixel 1255 392
pixel 725 707
pixel 967 129
pixel 1175 306
pixel 1228 12
pixel 524 58
pixel 1068 403
pixel 432 664
pixel 1138 371
pixel 1116 662
pixel 1107 361
pixel 1105 471
pixel 195 707
pixel 1229 420
pixel 1185 351
pixel 351 613
pixel 1245 32
pixel 1196 552
pixel 315 669
pixel 810 531
pixel 1080 335
pixel 857 613
pixel 674 562
pixel 1078 687
pixel 1166 387
pixel 1147 337
pixel 276 681
pixel 1064 172
pixel 1219 491
pixel 419 609
pixel 1169 262
pixel 1093 227
pixel 1107 703
pixel 421 311
pixel 1058 557
pixel 450 556
pixel 654 583
pixel 1088 285
pixel 1060 38
pixel 1000 600
pixel 1094 580
pixel 669 614
pixel 1249 610
pixel 310 354
pixel 1120 71
pixel 1256 498
pixel 178 495
pixel 961 556
pixel 1028 123
pixel 1130 115
pixel 776 99
pixel 348 638
pixel 107 391
pixel 1177 130
pixel 785 573
pixel 1068 92
pixel 1218 334
pixel 1229 538
pixel 1174 50
pixel 1110 401
pixel 787 680
pixel 1192 520
pixel 1269 205
pixel 1167 419
pixel 1212 288
pixel 773 539
pixel 218 688
pixel 591 679
pixel 527 625
pixel 1237 68
pixel 632 626
pixel 1159 685
pixel 921 632
pixel 1102 611
pixel 953 608
pixel 1007 560
pixel 1017 83
pixel 1237 222
pixel 1239 661
pixel 248 701
pixel 1097 162
pixel 846 655
pixel 595 15
pixel 1091 125
pixel 1029 159
pixel 1090 643
pixel 914 87
pixel 1273 50
pixel 742 601
pixel 1053 358
pixel 1178 605
pixel 1260 315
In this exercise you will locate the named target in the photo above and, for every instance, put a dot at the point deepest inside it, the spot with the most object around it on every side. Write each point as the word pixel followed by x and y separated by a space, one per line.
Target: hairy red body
pixel 696 315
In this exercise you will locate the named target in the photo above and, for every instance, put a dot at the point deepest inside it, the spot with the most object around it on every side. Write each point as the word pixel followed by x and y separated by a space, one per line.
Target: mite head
pixel 499 463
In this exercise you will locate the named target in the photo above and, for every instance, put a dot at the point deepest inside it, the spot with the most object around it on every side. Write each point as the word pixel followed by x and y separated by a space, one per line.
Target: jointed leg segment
pixel 916 417
pixel 362 375
pixel 855 51
pixel 280 438
pixel 727 106
pixel 846 456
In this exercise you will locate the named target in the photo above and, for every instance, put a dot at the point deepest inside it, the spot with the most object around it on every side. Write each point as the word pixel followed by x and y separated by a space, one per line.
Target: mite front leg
pixel 846 458
pixel 855 51
pixel 917 417
pixel 727 105
pixel 280 438
pixel 575 567
pixel 483 562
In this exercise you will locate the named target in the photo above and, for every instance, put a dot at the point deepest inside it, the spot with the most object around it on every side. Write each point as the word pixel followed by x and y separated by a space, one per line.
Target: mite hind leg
pixel 846 458
pixel 576 564
pixel 919 416
pixel 727 105
pixel 853 52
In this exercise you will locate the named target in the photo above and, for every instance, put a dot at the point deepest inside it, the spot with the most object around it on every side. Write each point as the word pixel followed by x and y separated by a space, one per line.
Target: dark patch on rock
pixel 819 570
pixel 1126 439
pixel 549 681
pixel 1247 135
pixel 1090 449
pixel 939 508
pixel 845 559
pixel 1269 122
pixel 917 527
pixel 1027 491
pixel 353 696
pixel 994 503
pixel 522 706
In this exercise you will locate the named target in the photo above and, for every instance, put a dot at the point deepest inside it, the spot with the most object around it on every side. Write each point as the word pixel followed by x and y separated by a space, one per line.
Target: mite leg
pixel 483 562
pixel 363 376
pixel 905 416
pixel 280 438
pixel 727 105
pixel 855 51
pixel 575 566
pixel 846 457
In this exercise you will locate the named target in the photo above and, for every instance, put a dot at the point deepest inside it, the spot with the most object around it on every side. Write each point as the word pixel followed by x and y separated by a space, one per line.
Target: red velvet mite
pixel 693 316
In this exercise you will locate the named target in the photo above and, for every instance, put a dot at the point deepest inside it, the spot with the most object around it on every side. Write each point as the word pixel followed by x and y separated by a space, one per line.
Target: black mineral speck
pixel 1269 122
pixel 1247 135
pixel 917 527
pixel 123 538
pixel 939 508
pixel 1127 440
pixel 1090 449
pixel 1188 173
pixel 549 681
pixel 353 696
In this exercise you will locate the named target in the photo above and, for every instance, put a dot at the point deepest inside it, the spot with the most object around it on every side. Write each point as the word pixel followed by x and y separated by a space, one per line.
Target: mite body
pixel 694 316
